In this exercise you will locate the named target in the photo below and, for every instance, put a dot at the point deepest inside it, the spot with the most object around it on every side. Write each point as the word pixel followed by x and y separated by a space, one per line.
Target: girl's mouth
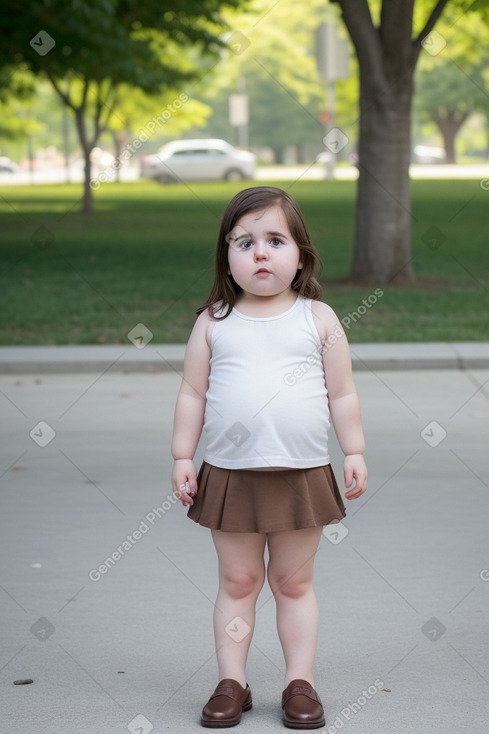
pixel 262 273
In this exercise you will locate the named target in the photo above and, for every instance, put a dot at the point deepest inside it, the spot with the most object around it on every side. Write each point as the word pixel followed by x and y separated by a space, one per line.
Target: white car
pixel 428 154
pixel 8 166
pixel 194 160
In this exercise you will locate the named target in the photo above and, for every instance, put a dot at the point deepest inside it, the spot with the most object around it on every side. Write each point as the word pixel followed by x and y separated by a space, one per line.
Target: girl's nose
pixel 261 252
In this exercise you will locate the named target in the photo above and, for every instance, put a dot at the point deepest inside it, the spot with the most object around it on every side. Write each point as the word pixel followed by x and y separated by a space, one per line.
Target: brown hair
pixel 225 289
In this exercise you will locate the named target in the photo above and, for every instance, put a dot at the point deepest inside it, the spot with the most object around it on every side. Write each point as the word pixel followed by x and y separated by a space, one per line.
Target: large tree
pixel 387 49
pixel 448 96
pixel 90 49
pixel 451 85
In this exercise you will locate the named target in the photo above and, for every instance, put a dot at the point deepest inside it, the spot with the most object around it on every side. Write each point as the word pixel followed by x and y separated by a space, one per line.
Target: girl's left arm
pixel 343 399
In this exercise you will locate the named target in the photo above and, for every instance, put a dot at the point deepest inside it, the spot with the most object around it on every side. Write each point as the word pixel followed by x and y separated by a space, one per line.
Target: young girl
pixel 266 367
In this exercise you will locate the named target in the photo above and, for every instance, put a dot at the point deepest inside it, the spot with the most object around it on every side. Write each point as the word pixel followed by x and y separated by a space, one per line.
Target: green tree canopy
pixel 17 90
pixel 389 38
pixel 88 49
pixel 451 84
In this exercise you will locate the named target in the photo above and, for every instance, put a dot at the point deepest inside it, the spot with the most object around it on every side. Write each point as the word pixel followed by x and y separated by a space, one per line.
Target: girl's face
pixel 263 257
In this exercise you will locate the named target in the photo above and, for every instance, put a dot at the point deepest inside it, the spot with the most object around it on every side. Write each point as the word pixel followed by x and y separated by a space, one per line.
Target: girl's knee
pixel 239 583
pixel 290 585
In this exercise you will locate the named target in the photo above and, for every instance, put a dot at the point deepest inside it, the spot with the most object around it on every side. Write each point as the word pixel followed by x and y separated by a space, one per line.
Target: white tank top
pixel 267 403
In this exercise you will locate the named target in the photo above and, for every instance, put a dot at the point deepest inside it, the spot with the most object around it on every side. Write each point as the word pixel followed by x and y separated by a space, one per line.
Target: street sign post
pixel 239 113
pixel 333 63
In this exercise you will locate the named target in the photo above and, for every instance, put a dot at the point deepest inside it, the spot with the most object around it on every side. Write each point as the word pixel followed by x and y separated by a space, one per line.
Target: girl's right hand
pixel 184 481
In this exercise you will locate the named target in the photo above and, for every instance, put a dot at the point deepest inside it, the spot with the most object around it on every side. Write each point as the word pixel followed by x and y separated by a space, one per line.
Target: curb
pixel 169 357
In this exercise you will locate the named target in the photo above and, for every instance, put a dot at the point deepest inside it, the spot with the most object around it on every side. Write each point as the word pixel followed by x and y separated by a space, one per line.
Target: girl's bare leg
pixel 290 575
pixel 241 577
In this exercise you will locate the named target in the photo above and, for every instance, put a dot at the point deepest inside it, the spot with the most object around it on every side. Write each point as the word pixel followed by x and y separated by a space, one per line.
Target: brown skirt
pixel 250 501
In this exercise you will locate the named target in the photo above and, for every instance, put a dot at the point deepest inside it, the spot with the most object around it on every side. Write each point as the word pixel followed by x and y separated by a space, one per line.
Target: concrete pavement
pixel 169 357
pixel 126 644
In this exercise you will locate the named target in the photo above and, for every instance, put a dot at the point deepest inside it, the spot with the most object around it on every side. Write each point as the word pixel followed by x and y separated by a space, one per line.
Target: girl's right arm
pixel 190 407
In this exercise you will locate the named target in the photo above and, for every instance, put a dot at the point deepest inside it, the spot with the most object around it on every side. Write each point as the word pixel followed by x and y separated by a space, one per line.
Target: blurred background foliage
pixel 72 279
pixel 277 70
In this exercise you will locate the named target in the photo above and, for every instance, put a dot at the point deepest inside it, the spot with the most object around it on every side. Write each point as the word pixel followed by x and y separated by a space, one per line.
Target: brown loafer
pixel 225 706
pixel 302 706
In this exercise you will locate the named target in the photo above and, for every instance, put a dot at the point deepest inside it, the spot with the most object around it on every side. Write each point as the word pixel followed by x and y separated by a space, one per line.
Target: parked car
pixel 8 166
pixel 324 157
pixel 428 154
pixel 193 160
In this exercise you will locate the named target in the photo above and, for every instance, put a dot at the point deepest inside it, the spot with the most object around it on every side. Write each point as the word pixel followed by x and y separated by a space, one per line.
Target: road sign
pixel 238 109
pixel 332 53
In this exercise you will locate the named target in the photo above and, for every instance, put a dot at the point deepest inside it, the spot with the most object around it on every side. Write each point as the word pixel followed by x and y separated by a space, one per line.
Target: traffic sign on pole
pixel 238 110
pixel 332 53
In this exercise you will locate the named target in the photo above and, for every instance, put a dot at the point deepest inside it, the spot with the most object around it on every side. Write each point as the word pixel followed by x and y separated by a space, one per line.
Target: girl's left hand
pixel 354 468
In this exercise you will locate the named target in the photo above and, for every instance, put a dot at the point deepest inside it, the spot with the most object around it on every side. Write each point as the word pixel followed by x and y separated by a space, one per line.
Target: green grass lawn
pixel 147 256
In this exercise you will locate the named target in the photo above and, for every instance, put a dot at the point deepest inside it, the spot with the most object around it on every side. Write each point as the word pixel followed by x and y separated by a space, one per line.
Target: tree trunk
pixel 87 144
pixel 87 147
pixel 87 190
pixel 301 153
pixel 449 127
pixel 449 134
pixel 383 216
pixel 120 139
pixel 87 207
pixel 387 54
pixel 279 154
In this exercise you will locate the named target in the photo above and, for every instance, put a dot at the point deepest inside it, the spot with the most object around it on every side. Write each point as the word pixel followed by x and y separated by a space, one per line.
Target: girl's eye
pixel 245 245
pixel 275 242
